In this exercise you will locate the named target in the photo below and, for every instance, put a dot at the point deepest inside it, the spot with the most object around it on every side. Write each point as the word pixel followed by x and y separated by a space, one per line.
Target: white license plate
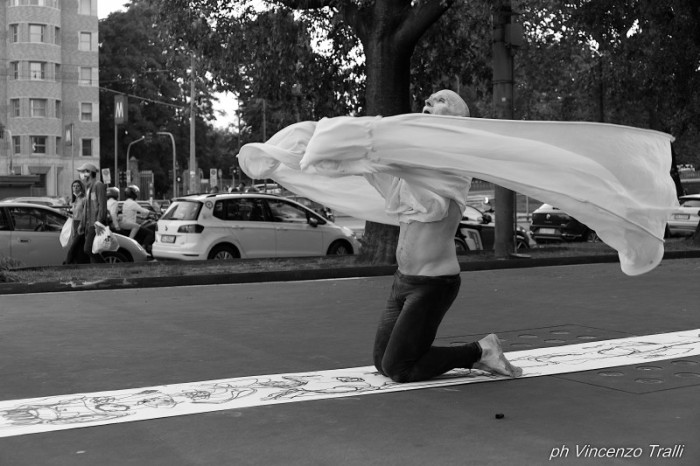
pixel 681 216
pixel 167 239
pixel 547 231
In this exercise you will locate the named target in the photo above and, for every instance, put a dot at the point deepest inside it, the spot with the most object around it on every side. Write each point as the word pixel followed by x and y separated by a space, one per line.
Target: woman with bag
pixel 76 255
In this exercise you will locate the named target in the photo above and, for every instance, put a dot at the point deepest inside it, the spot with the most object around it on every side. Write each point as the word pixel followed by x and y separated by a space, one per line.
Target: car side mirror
pixel 313 221
pixel 486 219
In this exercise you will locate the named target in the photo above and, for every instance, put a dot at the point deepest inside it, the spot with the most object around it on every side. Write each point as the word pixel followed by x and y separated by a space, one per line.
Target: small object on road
pixel 500 416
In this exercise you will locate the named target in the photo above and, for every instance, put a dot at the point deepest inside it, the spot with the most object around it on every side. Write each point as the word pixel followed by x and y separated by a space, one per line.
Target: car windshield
pixel 183 210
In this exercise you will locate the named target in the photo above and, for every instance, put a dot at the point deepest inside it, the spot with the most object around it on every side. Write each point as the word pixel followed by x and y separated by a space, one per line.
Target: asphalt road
pixel 88 341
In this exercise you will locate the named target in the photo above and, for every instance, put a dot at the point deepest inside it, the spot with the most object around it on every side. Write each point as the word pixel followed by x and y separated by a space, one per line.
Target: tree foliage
pixel 140 60
pixel 633 62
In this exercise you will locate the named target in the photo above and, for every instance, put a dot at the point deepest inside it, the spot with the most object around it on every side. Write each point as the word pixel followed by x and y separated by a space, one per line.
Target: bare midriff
pixel 428 248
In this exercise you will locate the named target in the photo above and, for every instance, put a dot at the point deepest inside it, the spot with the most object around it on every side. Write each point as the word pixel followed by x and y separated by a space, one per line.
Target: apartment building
pixel 49 94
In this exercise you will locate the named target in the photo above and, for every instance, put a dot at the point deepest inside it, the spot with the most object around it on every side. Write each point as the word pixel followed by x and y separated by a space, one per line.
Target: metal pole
pixel 503 103
pixel 172 140
pixel 116 155
pixel 194 187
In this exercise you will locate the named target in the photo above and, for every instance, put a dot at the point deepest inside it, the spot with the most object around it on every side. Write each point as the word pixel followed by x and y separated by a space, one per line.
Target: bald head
pixel 446 102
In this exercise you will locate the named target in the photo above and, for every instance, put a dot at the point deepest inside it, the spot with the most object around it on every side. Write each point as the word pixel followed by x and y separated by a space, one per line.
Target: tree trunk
pixel 389 31
pixel 388 87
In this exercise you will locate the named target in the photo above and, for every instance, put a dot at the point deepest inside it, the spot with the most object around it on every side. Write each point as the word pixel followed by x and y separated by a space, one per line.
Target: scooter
pixel 146 235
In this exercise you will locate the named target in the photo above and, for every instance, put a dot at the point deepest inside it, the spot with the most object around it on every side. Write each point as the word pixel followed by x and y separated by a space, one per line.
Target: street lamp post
pixel 126 166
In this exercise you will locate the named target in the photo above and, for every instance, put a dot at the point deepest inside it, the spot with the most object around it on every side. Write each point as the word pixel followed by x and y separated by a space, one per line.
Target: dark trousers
pixel 403 347
pixel 76 253
pixel 89 238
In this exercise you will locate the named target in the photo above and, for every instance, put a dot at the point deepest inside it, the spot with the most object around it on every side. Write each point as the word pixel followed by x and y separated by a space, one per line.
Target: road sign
pixel 120 109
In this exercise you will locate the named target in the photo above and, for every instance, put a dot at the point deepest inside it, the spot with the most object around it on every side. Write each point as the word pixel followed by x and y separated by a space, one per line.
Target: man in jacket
pixel 95 207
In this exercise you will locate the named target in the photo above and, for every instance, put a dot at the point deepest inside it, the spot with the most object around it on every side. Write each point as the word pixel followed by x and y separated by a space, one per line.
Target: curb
pixel 302 275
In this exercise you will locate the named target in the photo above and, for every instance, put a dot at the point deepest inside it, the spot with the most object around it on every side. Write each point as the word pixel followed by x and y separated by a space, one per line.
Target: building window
pixel 57 72
pixel 16 145
pixel 85 42
pixel 14 70
pixel 37 108
pixel 14 32
pixel 86 111
pixel 38 144
pixel 59 109
pixel 37 70
pixel 37 33
pixel 14 108
pixel 86 146
pixel 85 76
pixel 59 141
pixel 86 8
pixel 57 36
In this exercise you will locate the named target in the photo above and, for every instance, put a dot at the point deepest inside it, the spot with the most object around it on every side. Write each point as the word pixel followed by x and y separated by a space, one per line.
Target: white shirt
pixel 130 211
pixel 113 209
pixel 613 178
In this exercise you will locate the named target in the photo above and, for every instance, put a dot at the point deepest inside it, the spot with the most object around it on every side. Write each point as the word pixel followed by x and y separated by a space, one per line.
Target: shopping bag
pixel 105 241
pixel 66 235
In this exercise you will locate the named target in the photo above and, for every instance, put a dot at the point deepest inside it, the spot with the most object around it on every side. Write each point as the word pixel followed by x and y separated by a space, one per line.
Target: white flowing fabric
pixel 615 179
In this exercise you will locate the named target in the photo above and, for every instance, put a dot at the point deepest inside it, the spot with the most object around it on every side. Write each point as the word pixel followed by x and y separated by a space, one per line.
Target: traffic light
pixel 122 178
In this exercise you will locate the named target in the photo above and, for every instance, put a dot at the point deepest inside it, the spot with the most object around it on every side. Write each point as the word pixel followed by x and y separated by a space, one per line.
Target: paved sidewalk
pixel 89 341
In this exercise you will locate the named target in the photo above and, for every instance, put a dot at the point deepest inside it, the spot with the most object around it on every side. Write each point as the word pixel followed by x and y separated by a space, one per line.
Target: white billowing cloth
pixel 615 179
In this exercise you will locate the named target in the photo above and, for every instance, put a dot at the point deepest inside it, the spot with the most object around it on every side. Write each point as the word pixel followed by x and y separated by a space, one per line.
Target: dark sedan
pixel 549 224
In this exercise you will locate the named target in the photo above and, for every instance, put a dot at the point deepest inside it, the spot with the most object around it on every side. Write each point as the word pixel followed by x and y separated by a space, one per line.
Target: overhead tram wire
pixel 146 99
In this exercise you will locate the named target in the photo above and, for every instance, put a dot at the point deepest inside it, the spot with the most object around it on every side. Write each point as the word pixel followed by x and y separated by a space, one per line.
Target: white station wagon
pixel 684 220
pixel 230 226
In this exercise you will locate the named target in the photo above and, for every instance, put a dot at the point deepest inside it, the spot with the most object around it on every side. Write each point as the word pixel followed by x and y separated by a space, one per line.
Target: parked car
pixel 55 202
pixel 549 224
pixel 228 226
pixel 477 231
pixel 684 220
pixel 29 234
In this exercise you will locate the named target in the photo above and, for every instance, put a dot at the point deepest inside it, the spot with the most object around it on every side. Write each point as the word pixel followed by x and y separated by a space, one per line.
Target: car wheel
pixel 114 257
pixel 224 252
pixel 460 246
pixel 339 248
pixel 592 236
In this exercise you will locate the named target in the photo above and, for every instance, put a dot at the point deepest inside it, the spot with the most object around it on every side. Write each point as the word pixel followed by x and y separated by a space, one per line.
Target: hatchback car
pixel 477 231
pixel 228 226
pixel 684 220
pixel 549 224
pixel 29 235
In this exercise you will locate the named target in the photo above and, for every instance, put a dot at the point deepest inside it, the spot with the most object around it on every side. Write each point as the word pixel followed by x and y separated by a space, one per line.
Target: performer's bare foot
pixel 492 358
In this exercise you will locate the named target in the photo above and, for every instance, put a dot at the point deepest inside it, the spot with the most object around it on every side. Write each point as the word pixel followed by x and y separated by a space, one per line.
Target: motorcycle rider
pixel 130 211
pixel 113 208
